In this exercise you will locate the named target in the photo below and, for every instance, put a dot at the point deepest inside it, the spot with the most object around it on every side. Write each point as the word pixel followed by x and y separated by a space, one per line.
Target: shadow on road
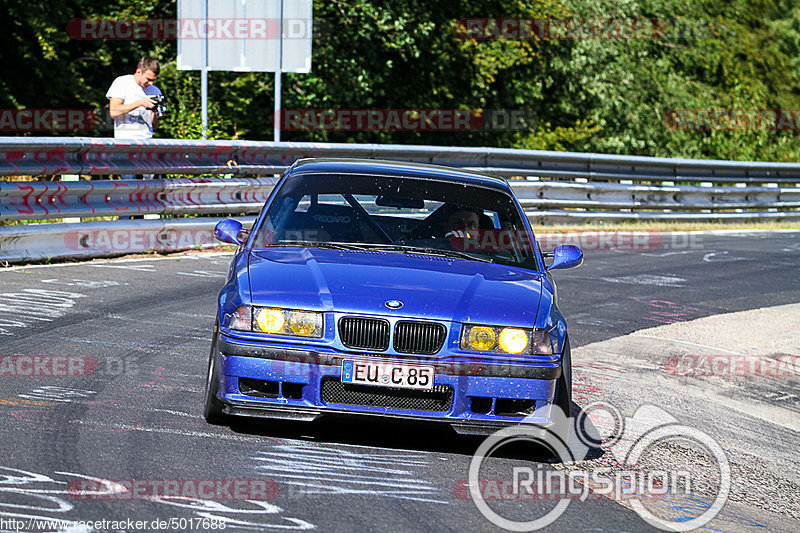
pixel 393 434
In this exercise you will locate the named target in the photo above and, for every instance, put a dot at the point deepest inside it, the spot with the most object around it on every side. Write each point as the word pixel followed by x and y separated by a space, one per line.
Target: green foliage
pixel 612 95
pixel 740 55
pixel 184 119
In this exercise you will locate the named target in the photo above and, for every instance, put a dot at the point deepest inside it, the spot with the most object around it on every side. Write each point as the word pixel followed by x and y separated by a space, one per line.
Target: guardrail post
pixel 71 177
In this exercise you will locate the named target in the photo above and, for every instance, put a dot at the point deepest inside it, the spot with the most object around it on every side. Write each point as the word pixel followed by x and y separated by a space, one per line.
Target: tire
pixel 212 407
pixel 563 396
pixel 564 385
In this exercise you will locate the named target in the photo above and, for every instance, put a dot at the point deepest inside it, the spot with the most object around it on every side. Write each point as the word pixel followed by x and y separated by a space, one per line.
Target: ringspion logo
pixel 630 446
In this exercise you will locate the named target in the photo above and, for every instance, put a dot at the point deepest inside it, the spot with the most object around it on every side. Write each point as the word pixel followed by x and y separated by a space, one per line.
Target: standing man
pixel 131 106
pixel 131 103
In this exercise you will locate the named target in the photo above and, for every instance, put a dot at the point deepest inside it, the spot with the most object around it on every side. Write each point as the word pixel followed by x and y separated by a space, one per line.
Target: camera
pixel 160 108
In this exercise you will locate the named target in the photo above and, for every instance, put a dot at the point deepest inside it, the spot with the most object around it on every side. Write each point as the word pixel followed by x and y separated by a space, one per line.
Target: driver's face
pixel 463 220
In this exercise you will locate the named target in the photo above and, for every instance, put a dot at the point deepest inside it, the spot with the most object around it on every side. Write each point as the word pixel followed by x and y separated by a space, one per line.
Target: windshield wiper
pixel 430 251
pixel 384 248
pixel 316 244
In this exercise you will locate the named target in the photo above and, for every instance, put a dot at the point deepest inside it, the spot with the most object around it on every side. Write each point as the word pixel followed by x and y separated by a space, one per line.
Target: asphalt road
pixel 137 335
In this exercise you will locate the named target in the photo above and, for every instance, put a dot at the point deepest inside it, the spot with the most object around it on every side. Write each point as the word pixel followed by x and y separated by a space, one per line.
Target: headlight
pixel 270 320
pixel 305 324
pixel 505 340
pixel 481 338
pixel 513 340
pixel 277 321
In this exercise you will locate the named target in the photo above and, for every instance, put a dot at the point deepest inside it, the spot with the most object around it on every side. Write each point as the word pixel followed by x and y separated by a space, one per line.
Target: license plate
pixel 399 375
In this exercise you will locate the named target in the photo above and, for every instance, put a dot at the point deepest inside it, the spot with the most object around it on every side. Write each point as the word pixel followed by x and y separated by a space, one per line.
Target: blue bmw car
pixel 390 289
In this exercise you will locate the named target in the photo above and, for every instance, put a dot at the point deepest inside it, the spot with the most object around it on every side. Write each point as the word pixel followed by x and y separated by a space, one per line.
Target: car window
pixel 406 214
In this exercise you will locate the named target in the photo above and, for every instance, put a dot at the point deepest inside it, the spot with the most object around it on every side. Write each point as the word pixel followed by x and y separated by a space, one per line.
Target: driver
pixel 460 222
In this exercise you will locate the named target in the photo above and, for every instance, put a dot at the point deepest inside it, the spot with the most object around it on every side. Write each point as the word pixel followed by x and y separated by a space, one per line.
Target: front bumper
pixel 295 382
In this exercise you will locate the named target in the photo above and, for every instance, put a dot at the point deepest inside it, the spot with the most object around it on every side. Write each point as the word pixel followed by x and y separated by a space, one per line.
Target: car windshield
pixel 400 214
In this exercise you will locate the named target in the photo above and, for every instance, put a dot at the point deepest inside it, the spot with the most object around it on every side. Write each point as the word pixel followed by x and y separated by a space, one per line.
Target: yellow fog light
pixel 513 340
pixel 270 320
pixel 481 338
pixel 305 324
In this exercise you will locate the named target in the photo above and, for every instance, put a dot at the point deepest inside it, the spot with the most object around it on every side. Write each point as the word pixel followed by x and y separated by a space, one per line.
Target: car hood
pixel 363 281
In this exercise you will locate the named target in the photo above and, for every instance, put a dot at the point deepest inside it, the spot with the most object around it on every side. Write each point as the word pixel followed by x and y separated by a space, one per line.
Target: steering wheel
pixel 362 214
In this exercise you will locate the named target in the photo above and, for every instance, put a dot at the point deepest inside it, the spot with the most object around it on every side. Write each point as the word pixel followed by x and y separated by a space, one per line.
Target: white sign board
pixel 242 35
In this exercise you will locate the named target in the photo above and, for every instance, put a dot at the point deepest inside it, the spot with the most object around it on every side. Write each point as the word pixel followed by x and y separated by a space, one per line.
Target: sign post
pixel 245 36
pixel 276 115
pixel 204 74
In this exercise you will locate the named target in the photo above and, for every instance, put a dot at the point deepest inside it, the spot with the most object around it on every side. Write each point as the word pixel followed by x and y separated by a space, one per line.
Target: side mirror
pixel 566 256
pixel 228 231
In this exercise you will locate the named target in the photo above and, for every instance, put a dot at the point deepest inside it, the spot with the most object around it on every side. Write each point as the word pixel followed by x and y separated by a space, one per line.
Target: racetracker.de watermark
pixel 203 523
pixel 733 366
pixel 187 489
pixel 62 366
pixel 632 241
pixel 733 119
pixel 137 240
pixel 47 365
pixel 405 119
pixel 497 240
pixel 530 29
pixel 49 119
pixel 215 29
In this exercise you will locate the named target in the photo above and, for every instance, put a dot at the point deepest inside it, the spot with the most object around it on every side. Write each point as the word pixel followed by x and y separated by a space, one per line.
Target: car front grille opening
pixel 259 388
pixel 440 399
pixel 270 389
pixel 481 405
pixel 292 391
pixel 364 333
pixel 517 408
pixel 425 338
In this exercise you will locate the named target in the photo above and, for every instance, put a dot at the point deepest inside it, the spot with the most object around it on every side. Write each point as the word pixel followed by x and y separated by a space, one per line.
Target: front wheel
pixel 563 396
pixel 212 407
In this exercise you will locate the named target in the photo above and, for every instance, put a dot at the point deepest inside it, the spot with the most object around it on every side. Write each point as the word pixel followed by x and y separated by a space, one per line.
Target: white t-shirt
pixel 137 123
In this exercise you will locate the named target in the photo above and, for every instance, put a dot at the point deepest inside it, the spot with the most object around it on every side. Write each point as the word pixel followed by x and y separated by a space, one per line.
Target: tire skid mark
pixel 52 500
pixel 313 469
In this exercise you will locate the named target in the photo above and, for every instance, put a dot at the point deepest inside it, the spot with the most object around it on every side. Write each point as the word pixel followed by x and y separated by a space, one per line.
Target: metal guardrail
pixel 43 200
pixel 95 156
pixel 548 202
pixel 37 242
pixel 40 200
pixel 559 187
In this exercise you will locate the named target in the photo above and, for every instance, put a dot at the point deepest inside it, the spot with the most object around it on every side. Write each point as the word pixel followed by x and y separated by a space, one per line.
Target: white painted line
pixel 648 279
pixel 143 268
pixel 687 343
pixel 196 256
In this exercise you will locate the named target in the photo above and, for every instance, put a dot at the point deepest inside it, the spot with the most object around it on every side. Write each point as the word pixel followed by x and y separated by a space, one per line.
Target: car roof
pixel 396 168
